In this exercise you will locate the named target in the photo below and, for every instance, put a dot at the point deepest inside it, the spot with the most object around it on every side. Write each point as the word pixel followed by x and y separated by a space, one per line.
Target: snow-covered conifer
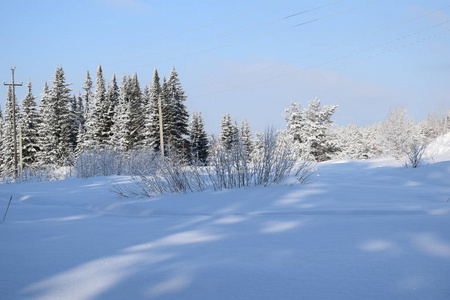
pixel 8 134
pixel 29 123
pixel 152 138
pixel 179 117
pixel 198 138
pixel 309 129
pixel 229 132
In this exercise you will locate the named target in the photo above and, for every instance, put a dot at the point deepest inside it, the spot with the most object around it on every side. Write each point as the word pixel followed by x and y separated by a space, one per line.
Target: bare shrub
pixel 413 154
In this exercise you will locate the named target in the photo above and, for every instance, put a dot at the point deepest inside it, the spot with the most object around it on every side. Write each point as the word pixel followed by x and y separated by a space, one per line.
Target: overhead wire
pixel 344 57
pixel 330 48
pixel 228 34
pixel 256 37
pixel 190 30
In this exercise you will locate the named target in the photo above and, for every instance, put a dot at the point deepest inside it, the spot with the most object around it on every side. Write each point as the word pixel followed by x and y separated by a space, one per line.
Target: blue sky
pixel 246 58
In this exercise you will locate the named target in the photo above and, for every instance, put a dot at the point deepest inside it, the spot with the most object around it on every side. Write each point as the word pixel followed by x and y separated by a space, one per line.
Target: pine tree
pixel 308 129
pixel 29 122
pixel 198 138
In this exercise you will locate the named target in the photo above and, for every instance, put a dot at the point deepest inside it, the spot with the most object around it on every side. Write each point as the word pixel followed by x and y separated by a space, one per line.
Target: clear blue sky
pixel 230 62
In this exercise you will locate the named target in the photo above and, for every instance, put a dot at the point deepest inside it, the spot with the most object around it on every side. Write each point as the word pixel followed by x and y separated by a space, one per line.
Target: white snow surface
pixel 361 230
pixel 439 149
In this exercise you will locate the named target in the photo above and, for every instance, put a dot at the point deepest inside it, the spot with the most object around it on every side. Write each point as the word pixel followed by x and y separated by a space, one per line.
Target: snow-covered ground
pixel 362 230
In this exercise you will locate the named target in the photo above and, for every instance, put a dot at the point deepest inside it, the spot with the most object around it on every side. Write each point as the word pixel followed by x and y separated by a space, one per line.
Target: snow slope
pixel 361 230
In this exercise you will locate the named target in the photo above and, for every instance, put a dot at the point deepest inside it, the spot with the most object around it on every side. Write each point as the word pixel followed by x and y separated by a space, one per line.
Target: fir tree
pixel 152 137
pixel 178 127
pixel 8 135
pixel 97 132
pixel 246 136
pixel 1 141
pixel 112 98
pixel 136 113
pixel 29 122
pixel 56 118
pixel 87 94
pixel 229 134
pixel 198 138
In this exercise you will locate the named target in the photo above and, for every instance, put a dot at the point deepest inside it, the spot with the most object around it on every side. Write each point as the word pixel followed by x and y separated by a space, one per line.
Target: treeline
pixel 122 116
pixel 114 128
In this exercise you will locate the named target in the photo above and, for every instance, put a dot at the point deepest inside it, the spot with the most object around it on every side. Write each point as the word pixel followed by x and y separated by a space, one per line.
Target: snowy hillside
pixel 439 149
pixel 361 230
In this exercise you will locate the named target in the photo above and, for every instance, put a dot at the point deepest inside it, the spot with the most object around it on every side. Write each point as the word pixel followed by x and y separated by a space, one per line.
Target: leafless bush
pixel 413 154
pixel 168 175
pixel 270 162
pixel 108 161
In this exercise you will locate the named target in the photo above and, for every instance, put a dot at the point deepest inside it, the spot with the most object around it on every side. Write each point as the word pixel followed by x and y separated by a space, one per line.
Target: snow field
pixel 361 230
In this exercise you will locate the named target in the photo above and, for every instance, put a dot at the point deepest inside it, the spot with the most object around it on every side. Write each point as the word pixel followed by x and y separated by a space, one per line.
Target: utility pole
pixel 16 173
pixel 161 132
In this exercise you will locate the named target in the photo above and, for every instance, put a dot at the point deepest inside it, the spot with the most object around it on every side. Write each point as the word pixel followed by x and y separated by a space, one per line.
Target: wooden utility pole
pixel 16 172
pixel 161 132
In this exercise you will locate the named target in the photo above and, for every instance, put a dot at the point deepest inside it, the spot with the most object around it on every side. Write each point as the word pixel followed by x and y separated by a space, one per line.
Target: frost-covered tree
pixel 1 141
pixel 309 129
pixel 179 118
pixel 87 94
pixel 8 135
pixel 152 137
pixel 128 125
pixel 436 124
pixel 229 132
pixel 56 121
pixel 398 132
pixel 29 123
pixel 198 138
pixel 97 131
pixel 112 98
pixel 246 136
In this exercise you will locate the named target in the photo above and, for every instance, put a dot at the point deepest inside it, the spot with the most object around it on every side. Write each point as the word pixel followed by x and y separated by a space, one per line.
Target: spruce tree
pixel 1 141
pixel 136 113
pixel 56 121
pixel 29 122
pixel 112 98
pixel 8 135
pixel 152 136
pixel 198 138
pixel 246 136
pixel 229 134
pixel 178 128
pixel 119 139
pixel 97 133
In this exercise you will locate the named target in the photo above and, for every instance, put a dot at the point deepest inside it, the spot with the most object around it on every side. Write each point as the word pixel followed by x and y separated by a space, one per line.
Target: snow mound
pixel 439 149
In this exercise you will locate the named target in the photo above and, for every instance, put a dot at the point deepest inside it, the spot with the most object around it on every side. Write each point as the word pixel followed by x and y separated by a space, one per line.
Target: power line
pixel 333 47
pixel 190 30
pixel 258 36
pixel 346 56
pixel 228 34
